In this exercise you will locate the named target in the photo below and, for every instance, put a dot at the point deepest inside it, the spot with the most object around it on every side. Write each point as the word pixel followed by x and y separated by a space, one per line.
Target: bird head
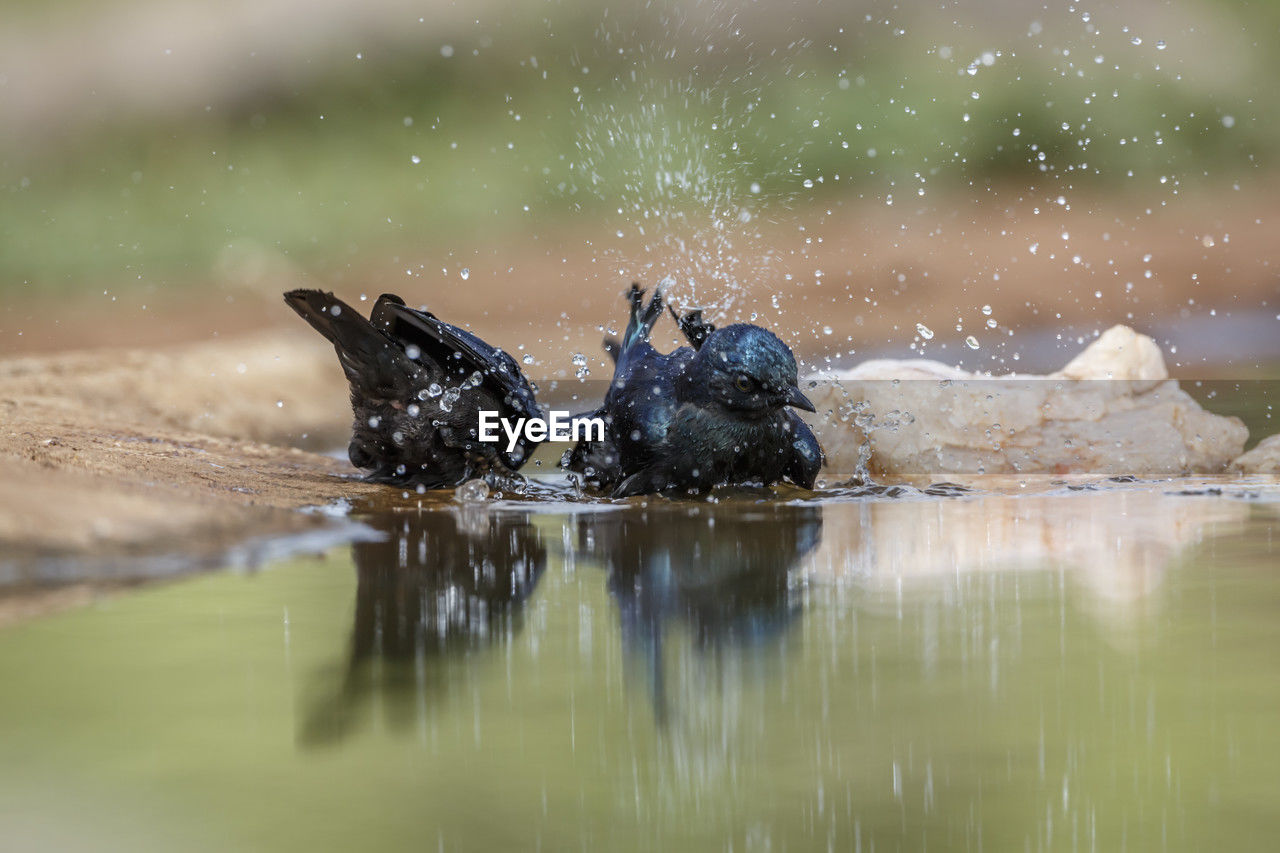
pixel 746 369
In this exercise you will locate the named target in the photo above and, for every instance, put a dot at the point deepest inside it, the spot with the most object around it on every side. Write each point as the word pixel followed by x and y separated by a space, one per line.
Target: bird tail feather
pixel 696 330
pixel 643 318
pixel 368 357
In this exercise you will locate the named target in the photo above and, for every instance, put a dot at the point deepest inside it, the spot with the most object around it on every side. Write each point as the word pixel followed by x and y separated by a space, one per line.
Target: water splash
pixel 682 169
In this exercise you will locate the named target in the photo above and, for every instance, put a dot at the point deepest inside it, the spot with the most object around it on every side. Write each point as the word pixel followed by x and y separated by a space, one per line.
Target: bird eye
pixel 743 382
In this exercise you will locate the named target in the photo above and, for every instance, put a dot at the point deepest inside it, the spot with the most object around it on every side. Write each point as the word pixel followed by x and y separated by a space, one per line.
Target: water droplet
pixel 1160 45
pixel 971 342
pixel 472 491
pixel 1135 40
pixel 924 331
pixel 986 309
pixel 527 359
pixel 466 273
pixel 415 159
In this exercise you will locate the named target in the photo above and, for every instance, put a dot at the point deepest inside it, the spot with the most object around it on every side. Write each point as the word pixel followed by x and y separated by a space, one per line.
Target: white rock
pixel 1118 353
pixel 1111 411
pixel 1263 459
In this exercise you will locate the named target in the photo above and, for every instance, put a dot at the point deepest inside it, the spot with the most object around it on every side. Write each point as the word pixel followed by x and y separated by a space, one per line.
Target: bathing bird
pixel 715 413
pixel 417 387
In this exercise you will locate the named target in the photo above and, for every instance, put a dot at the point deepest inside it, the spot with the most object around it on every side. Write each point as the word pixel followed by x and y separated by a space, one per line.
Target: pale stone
pixel 1118 353
pixel 1111 411
pixel 1263 459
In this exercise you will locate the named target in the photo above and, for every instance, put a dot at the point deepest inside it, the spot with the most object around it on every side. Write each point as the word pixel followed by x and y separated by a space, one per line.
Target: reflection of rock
pixel 1263 459
pixel 1117 542
pixel 441 584
pixel 721 572
pixel 1111 410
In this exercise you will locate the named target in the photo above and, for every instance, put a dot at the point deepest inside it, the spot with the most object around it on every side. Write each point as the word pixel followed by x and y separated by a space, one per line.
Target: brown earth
pixel 122 455
pixel 128 431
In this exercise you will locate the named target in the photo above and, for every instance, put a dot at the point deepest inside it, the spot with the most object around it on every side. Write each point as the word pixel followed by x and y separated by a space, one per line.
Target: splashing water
pixel 448 398
pixel 472 491
pixel 692 196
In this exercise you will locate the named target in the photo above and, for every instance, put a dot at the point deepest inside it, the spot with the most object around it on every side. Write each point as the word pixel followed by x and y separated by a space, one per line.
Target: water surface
pixel 1070 668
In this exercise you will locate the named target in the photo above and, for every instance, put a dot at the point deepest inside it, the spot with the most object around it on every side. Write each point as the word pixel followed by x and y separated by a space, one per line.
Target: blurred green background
pixel 907 162
pixel 156 143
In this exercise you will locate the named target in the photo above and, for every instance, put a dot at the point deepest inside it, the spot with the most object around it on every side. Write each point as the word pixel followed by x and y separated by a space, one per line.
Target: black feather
pixel 689 420
pixel 417 387
pixel 695 329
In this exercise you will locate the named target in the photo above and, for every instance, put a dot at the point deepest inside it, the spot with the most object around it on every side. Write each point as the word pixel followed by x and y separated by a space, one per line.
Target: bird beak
pixel 800 401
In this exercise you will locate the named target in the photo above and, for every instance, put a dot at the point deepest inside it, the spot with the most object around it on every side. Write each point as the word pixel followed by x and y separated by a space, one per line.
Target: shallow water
pixel 1075 669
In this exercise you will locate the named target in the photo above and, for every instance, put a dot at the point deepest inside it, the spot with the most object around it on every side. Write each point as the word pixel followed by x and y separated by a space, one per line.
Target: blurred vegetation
pixel 547 119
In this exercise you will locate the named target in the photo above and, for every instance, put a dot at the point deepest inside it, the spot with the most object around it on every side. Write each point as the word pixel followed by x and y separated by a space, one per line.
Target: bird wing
pixel 448 345
pixel 806 454
pixel 372 361
pixel 635 340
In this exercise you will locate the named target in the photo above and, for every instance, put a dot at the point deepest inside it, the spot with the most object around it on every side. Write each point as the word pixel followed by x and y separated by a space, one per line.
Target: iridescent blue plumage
pixel 696 418
pixel 711 414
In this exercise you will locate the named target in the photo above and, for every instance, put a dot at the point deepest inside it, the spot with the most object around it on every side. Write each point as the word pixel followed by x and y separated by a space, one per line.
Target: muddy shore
pixel 111 457
pixel 191 421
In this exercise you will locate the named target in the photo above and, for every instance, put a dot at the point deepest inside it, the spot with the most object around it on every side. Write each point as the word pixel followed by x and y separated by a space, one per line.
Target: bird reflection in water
pixel 441 584
pixel 719 573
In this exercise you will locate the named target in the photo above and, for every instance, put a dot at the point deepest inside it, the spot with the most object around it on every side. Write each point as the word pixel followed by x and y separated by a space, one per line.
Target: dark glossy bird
pixel 719 412
pixel 417 387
